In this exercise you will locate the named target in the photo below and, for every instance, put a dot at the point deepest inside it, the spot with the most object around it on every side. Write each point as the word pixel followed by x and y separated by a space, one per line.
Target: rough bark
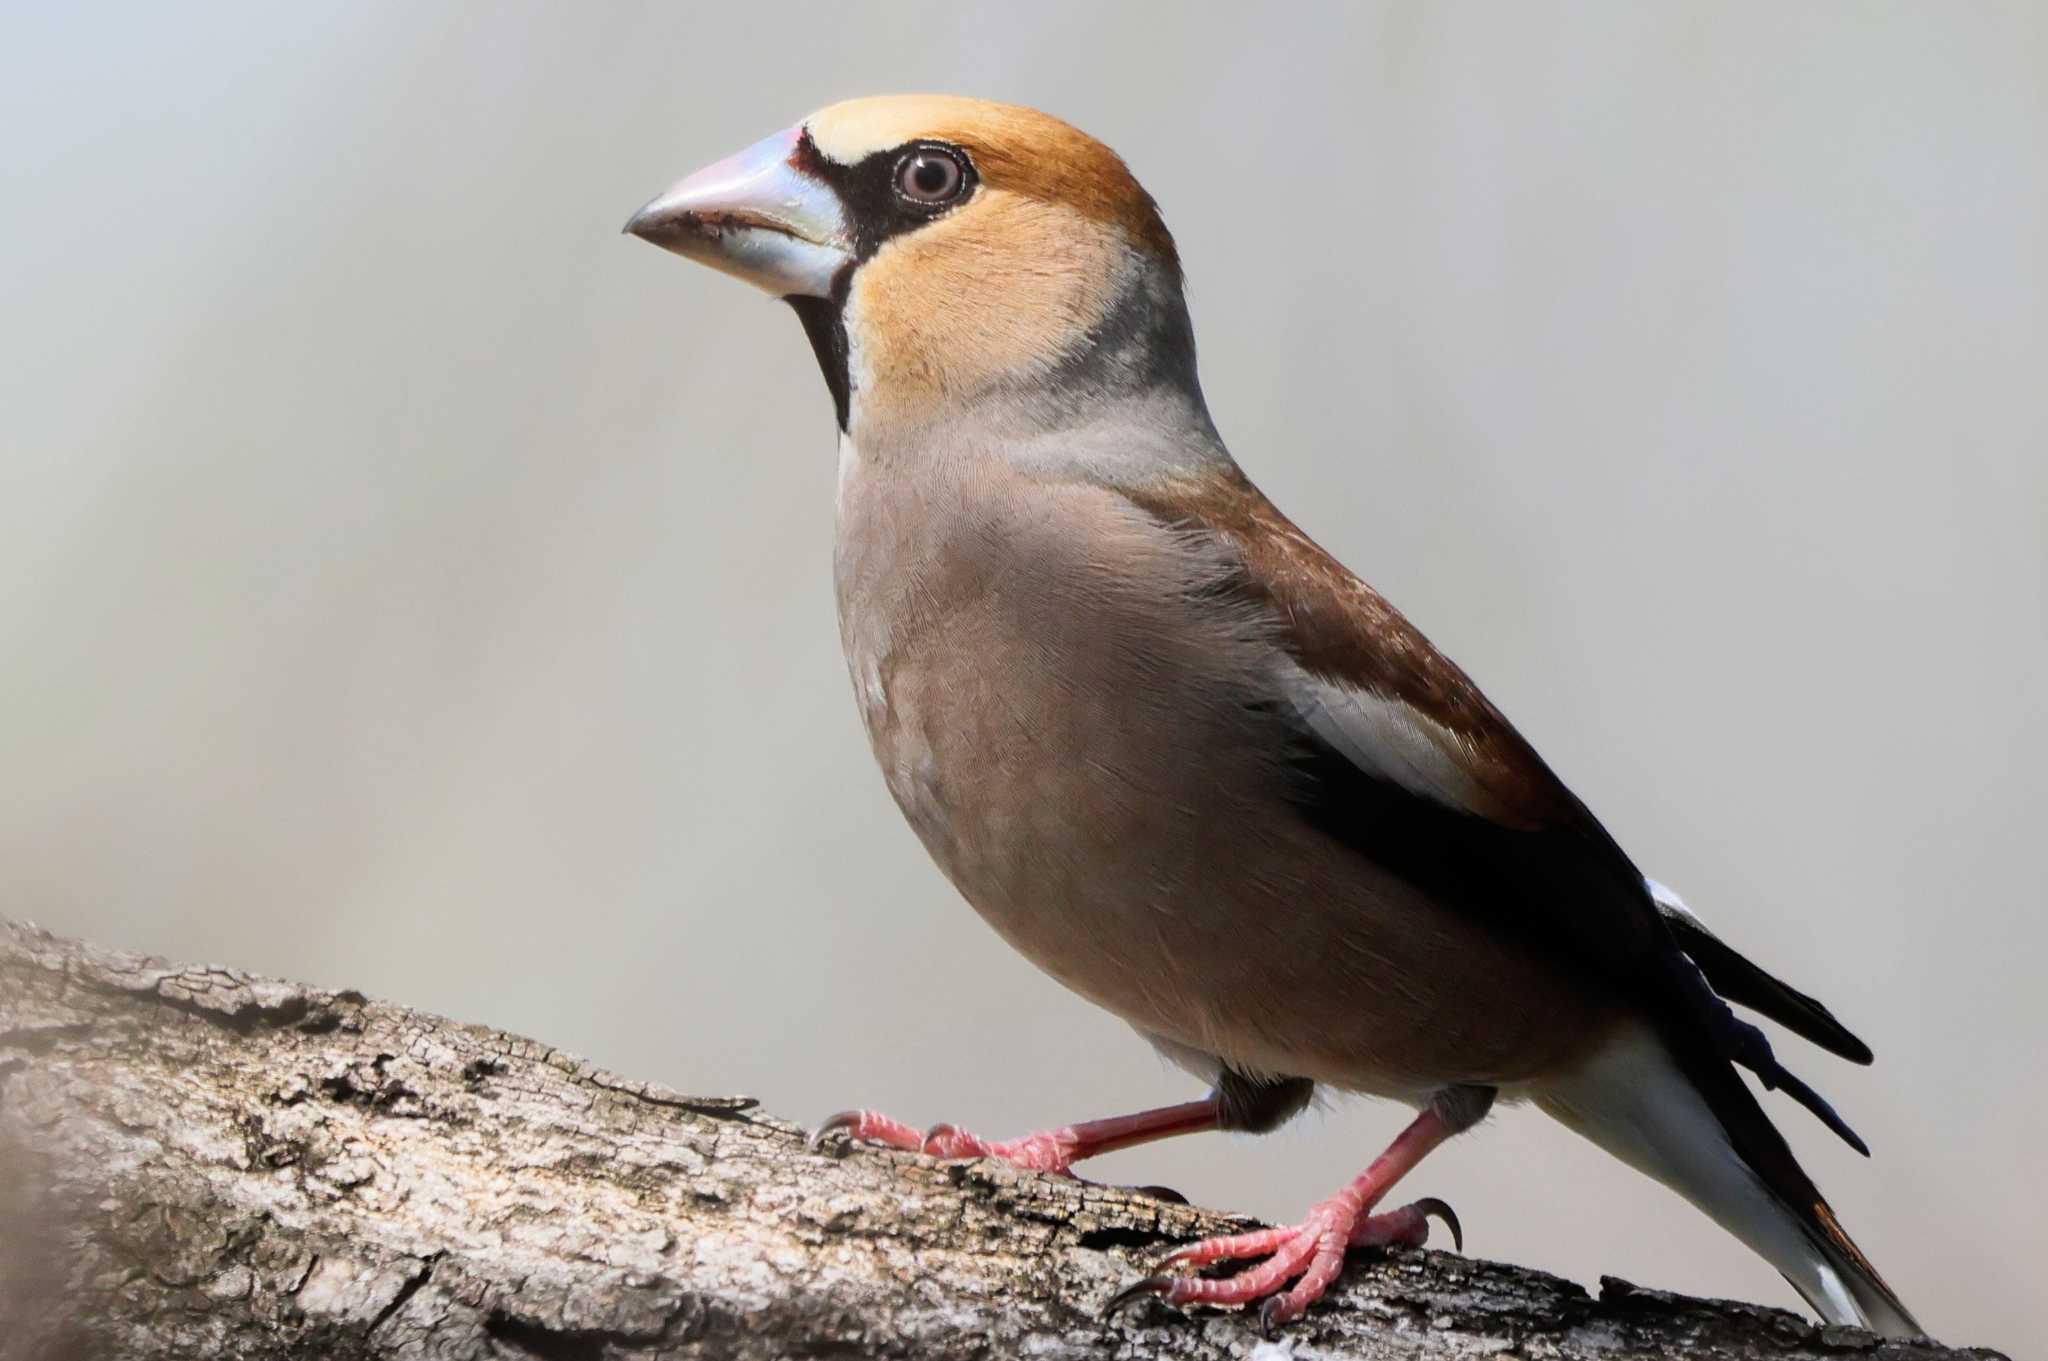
pixel 196 1162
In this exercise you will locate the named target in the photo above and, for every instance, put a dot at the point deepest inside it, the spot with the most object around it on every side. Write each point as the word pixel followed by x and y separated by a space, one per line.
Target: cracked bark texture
pixel 197 1162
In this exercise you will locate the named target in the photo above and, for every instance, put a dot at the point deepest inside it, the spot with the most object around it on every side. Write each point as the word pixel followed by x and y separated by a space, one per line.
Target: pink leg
pixel 1052 1150
pixel 1312 1250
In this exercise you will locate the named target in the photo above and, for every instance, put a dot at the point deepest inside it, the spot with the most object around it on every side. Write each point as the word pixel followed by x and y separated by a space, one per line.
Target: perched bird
pixel 1180 757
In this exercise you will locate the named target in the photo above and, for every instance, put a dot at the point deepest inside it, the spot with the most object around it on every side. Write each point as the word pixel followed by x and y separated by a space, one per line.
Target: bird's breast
pixel 1031 680
pixel 1081 737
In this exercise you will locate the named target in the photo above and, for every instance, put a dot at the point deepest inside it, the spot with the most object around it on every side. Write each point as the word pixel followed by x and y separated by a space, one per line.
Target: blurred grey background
pixel 407 583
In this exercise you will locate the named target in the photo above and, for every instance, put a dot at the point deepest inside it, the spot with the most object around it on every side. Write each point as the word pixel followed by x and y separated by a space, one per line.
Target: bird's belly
pixel 1129 830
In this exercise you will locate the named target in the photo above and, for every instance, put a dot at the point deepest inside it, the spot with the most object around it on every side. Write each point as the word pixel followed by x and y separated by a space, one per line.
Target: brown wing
pixel 1411 766
pixel 1342 631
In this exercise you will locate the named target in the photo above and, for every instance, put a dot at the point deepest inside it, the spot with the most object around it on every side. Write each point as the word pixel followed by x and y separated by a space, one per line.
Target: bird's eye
pixel 929 176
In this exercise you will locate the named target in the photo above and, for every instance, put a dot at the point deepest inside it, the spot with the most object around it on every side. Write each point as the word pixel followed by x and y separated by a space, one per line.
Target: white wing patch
pixel 1389 739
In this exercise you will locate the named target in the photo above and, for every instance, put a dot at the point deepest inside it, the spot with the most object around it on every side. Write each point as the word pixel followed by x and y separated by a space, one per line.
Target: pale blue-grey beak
pixel 757 217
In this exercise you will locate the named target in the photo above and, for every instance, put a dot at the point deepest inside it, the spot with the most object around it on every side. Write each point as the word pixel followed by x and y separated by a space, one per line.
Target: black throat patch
pixel 824 322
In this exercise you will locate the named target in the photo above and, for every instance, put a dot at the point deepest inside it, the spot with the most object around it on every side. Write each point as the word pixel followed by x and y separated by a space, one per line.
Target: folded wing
pixel 1406 761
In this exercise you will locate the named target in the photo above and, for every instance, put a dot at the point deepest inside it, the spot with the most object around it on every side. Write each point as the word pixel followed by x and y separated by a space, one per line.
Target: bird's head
pixel 941 250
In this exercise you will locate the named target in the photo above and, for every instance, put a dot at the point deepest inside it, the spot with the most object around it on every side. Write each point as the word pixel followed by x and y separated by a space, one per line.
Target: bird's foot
pixel 1052 1150
pixel 1312 1251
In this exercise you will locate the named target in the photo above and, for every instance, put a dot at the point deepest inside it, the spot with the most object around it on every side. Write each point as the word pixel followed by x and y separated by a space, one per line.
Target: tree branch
pixel 196 1162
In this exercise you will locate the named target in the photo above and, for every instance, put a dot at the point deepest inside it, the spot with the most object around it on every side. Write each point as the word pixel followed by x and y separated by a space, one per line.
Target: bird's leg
pixel 1052 1150
pixel 1313 1250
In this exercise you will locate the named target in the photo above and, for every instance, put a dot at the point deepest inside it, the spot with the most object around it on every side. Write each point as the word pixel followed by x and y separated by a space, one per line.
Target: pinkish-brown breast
pixel 1072 727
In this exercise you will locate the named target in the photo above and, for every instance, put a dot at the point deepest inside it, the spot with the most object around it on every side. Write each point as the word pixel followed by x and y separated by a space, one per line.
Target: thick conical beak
pixel 756 217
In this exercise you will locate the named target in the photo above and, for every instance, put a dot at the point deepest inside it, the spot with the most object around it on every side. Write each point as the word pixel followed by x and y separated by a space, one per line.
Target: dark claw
pixel 1163 1269
pixel 843 1120
pixel 1266 1313
pixel 1151 1285
pixel 1165 1193
pixel 1430 1205
pixel 935 1133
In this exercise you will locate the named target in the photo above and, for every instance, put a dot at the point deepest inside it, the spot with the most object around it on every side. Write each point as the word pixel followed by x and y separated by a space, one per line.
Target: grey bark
pixel 197 1162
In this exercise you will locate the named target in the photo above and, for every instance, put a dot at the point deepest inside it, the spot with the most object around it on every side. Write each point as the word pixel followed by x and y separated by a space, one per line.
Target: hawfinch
pixel 1181 758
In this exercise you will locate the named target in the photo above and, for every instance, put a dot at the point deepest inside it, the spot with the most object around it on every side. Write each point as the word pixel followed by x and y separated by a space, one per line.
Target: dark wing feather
pixel 1746 984
pixel 1516 848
